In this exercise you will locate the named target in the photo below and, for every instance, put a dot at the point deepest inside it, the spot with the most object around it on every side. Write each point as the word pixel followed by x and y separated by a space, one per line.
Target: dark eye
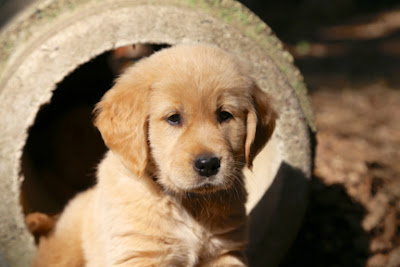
pixel 224 116
pixel 174 119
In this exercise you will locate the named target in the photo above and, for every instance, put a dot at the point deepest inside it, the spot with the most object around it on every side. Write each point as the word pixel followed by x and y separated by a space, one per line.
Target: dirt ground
pixel 353 217
pixel 352 70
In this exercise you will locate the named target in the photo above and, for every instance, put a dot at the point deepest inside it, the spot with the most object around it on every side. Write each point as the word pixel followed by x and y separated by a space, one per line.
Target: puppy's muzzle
pixel 206 165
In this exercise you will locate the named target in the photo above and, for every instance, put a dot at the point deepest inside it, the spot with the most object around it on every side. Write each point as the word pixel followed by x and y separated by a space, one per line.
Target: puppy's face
pixel 190 111
pixel 197 134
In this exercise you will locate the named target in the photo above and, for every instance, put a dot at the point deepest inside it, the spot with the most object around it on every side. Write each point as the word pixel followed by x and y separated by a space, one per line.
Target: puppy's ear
pixel 121 117
pixel 260 124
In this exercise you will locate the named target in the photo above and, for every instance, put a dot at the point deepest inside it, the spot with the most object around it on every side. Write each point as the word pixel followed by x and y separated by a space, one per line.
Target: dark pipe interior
pixel 63 147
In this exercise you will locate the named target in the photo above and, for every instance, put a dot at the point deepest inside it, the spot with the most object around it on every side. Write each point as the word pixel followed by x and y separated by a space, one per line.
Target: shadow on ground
pixel 332 224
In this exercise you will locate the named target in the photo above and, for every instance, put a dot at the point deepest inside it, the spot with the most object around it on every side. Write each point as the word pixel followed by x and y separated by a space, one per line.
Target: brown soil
pixel 354 213
pixel 353 218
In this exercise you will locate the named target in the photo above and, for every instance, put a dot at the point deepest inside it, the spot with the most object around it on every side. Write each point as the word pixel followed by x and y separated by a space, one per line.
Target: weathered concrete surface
pixel 52 38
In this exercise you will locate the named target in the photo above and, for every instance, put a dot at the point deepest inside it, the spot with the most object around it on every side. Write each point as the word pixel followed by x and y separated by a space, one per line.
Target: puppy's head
pixel 192 112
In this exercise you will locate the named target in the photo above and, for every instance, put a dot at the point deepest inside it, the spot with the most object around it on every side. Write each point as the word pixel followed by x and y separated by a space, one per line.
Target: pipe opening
pixel 63 147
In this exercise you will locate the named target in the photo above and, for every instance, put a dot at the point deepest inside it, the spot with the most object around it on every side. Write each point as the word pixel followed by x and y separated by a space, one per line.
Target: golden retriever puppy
pixel 180 125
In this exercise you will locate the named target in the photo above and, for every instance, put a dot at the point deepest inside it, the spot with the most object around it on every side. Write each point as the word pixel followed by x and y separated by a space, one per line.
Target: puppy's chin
pixel 203 187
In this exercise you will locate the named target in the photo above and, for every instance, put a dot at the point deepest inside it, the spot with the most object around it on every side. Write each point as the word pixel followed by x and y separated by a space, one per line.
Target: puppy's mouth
pixel 204 190
pixel 209 186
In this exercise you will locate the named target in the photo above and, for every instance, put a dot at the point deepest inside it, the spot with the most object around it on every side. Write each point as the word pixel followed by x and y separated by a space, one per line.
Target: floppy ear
pixel 260 124
pixel 121 117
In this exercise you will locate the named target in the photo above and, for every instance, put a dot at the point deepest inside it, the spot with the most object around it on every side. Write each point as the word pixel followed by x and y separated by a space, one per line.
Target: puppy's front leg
pixel 232 259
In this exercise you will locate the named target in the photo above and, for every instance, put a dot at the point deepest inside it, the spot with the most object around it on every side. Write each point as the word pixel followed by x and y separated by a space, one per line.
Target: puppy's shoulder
pixel 76 210
pixel 111 166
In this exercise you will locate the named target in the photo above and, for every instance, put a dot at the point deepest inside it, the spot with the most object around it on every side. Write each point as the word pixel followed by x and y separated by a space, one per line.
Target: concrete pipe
pixel 45 47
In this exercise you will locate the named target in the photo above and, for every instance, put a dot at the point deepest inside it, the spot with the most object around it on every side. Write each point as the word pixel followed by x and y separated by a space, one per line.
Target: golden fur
pixel 151 207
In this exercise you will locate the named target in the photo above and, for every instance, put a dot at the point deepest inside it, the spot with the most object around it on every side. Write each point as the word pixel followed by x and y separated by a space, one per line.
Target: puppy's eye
pixel 174 119
pixel 224 116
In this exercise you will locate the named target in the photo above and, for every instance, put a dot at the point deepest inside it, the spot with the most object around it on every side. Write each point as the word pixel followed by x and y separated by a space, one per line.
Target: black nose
pixel 206 165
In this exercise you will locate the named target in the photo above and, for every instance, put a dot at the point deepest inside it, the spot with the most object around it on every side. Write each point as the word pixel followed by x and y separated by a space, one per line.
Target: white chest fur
pixel 142 226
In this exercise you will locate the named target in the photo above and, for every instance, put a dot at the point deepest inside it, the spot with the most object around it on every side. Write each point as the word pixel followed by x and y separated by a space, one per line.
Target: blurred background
pixel 348 52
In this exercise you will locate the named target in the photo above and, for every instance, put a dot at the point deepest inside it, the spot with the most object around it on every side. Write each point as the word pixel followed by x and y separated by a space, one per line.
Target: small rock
pixel 378 260
pixel 377 209
pixel 394 258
